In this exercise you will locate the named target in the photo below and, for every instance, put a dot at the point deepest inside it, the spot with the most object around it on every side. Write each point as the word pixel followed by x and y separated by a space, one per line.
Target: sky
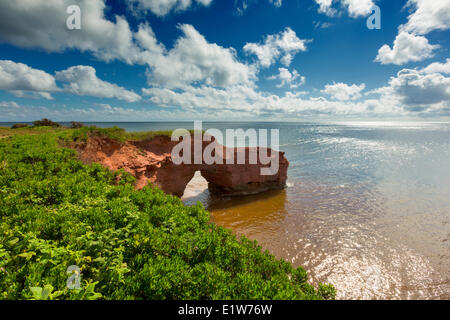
pixel 224 60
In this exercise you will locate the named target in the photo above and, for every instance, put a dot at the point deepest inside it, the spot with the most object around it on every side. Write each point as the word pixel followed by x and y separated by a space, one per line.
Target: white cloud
pixel 200 77
pixel 355 8
pixel 427 16
pixel 83 81
pixel 325 6
pixel 416 88
pixel 284 45
pixel 411 93
pixel 410 44
pixel 245 101
pixel 293 80
pixel 42 24
pixel 437 67
pixel 164 7
pixel 425 91
pixel 322 25
pixel 11 111
pixel 407 47
pixel 9 105
pixel 343 92
pixel 21 79
pixel 24 81
pixel 195 60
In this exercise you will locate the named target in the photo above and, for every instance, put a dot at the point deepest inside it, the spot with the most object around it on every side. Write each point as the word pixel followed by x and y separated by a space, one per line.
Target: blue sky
pixel 146 60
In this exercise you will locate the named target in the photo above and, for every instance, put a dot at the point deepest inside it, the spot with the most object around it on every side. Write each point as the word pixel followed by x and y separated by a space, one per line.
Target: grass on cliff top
pixel 56 212
pixel 116 133
pixel 84 132
pixel 8 132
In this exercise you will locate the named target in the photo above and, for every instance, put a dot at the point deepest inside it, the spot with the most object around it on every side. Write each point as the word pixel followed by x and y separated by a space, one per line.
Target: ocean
pixel 367 207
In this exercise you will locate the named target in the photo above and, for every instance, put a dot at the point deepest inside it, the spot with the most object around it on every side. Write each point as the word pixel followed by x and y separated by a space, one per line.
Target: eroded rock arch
pixel 151 161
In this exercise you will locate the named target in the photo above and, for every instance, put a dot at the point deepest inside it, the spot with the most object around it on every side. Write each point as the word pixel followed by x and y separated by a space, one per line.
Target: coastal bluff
pixel 150 161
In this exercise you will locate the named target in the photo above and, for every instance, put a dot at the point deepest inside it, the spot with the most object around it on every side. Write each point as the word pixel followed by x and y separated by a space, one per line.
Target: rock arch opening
pixel 196 190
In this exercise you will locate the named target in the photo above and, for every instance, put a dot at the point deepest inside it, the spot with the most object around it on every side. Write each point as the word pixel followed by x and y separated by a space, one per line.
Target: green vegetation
pixel 56 212
pixel 46 123
pixel 19 125
pixel 114 133
pixel 83 132
pixel 29 130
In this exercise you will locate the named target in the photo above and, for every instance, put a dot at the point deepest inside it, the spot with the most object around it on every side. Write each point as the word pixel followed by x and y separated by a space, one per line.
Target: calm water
pixel 367 207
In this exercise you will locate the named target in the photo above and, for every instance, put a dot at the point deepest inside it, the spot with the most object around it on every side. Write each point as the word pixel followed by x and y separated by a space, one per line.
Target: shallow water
pixel 367 208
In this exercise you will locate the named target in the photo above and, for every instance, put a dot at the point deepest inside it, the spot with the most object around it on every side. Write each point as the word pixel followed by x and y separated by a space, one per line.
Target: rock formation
pixel 151 161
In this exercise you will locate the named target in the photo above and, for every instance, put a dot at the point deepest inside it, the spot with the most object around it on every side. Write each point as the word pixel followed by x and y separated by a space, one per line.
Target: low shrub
pixel 76 125
pixel 46 123
pixel 19 125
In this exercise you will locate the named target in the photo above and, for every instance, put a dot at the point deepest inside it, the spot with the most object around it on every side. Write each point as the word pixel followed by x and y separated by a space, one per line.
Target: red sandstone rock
pixel 151 161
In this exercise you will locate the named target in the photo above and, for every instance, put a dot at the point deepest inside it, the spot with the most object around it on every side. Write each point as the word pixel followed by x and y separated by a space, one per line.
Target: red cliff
pixel 151 161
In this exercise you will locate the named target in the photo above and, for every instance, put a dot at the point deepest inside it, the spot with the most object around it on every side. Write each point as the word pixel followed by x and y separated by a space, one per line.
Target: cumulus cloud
pixel 83 81
pixel 292 79
pixel 325 6
pixel 437 67
pixel 20 79
pixel 417 88
pixel 407 47
pixel 427 16
pixel 24 81
pixel 42 24
pixel 195 60
pixel 355 8
pixel 164 7
pixel 284 45
pixel 197 77
pixel 421 91
pixel 105 112
pixel 250 102
pixel 343 92
pixel 411 92
pixel 410 43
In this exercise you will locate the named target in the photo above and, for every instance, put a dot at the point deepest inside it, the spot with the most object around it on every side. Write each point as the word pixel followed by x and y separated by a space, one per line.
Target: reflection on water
pixel 367 208
pixel 252 216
